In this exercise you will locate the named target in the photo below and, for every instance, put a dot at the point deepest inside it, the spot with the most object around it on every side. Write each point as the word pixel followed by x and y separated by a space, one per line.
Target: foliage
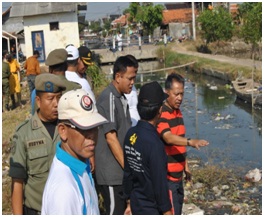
pixel 133 10
pixel 95 27
pixel 145 13
pixel 251 30
pixel 175 59
pixel 107 25
pixel 215 25
pixel 98 79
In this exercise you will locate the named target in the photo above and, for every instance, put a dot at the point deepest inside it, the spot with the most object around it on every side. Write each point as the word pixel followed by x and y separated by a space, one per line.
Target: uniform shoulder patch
pixel 22 124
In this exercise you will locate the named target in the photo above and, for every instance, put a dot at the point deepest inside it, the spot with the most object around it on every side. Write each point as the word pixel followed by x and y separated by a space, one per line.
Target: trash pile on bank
pixel 219 191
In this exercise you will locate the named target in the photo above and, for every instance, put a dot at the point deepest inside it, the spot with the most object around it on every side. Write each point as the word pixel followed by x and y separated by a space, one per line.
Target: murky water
pixel 212 112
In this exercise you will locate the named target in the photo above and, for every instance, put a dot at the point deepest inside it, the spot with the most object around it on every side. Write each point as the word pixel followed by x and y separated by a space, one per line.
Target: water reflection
pixel 212 112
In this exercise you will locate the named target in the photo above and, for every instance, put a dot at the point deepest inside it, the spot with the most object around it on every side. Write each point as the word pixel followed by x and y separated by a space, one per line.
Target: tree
pixel 150 16
pixel 251 30
pixel 95 27
pixel 216 25
pixel 146 14
pixel 133 10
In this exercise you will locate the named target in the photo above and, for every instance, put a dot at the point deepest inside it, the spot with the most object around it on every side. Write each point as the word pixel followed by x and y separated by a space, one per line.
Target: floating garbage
pixel 224 127
pixel 253 175
pixel 213 88
pixel 221 97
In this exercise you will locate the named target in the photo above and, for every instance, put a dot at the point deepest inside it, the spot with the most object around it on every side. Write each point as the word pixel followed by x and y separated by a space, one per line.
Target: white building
pixel 47 25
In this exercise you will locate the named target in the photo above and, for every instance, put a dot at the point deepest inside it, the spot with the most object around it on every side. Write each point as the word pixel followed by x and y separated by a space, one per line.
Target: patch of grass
pixel 174 59
pixel 10 120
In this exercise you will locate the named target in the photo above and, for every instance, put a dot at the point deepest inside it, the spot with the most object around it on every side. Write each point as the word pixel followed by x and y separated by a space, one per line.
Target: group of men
pixel 75 147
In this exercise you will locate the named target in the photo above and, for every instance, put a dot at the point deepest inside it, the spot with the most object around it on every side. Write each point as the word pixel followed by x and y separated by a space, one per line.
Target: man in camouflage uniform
pixel 5 83
pixel 33 147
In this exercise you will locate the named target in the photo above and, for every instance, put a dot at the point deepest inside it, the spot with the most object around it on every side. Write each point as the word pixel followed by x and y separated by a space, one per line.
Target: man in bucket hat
pixel 57 62
pixel 145 171
pixel 33 148
pixel 70 187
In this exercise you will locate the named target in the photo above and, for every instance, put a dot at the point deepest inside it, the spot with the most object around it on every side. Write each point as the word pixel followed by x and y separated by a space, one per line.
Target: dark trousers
pixel 29 211
pixel 113 200
pixel 176 195
pixel 31 82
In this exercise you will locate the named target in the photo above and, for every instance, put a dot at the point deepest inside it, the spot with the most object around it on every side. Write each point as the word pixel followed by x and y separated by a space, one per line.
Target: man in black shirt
pixel 145 172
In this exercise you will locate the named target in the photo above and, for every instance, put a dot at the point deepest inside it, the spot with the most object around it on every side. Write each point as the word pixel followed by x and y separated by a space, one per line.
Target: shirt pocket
pixel 37 156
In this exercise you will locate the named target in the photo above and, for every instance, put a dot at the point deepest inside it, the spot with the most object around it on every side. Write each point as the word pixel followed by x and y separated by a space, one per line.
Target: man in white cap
pixel 74 62
pixel 70 187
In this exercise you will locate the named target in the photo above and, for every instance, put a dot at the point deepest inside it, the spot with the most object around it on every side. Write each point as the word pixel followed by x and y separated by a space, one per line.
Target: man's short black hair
pixel 171 78
pixel 72 62
pixel 62 67
pixel 121 64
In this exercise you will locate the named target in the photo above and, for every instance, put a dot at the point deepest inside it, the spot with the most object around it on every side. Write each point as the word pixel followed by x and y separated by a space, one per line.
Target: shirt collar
pixel 74 164
pixel 114 90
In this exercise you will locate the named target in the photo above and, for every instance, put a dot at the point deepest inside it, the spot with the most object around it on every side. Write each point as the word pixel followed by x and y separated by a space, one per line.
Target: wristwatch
pixel 188 141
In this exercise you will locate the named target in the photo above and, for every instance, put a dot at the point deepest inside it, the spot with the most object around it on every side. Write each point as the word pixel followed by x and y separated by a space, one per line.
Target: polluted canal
pixel 227 173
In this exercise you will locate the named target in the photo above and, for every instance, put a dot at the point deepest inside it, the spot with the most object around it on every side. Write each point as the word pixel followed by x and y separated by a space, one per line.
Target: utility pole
pixel 193 22
pixel 119 11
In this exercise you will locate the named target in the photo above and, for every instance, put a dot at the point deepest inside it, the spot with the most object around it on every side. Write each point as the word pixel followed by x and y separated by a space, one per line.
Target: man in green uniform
pixel 57 62
pixel 5 82
pixel 33 147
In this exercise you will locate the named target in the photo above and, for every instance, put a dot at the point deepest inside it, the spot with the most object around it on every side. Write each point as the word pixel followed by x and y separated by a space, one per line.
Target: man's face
pixel 79 143
pixel 175 95
pixel 48 106
pixel 126 81
pixel 81 67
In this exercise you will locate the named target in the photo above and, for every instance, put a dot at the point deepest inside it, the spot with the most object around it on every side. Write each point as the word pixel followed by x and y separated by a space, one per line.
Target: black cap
pixel 86 55
pixel 151 94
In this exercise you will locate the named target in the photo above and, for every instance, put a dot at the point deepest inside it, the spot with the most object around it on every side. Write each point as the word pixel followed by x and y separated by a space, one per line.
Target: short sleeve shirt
pixel 62 195
pixel 31 156
pixel 109 104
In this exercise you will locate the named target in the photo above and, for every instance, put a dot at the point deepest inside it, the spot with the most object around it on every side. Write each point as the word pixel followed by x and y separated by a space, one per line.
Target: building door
pixel 38 44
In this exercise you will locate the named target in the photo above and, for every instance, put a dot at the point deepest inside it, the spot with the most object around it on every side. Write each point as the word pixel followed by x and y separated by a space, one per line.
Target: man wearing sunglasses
pixel 70 188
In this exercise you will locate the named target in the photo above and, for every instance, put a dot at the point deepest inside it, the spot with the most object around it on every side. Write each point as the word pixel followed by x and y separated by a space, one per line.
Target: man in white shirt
pixel 70 188
pixel 132 97
pixel 71 74
pixel 74 62
pixel 119 41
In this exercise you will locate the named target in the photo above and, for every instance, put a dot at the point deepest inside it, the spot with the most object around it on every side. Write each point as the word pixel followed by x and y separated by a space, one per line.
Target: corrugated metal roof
pixel 36 8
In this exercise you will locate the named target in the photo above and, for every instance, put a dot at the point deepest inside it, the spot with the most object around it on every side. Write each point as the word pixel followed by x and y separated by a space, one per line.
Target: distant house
pixel 177 21
pixel 47 25
pixel 12 31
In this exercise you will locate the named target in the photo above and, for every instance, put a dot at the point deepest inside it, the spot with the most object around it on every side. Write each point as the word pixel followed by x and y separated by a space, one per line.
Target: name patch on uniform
pixel 35 143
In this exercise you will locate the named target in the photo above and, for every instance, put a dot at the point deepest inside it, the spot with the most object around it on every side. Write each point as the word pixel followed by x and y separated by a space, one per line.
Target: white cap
pixel 77 106
pixel 73 52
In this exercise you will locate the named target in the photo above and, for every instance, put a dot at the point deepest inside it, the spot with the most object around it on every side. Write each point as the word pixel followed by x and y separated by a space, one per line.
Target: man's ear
pixel 38 101
pixel 63 131
pixel 118 77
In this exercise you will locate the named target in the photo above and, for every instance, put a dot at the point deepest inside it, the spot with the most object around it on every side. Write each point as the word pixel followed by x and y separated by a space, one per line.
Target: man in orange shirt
pixel 33 69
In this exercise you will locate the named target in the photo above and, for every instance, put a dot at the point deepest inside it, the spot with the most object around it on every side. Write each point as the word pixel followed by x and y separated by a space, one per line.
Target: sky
pixel 96 10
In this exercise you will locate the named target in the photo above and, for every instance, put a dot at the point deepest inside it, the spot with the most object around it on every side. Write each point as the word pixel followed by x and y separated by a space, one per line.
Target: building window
pixel 54 26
